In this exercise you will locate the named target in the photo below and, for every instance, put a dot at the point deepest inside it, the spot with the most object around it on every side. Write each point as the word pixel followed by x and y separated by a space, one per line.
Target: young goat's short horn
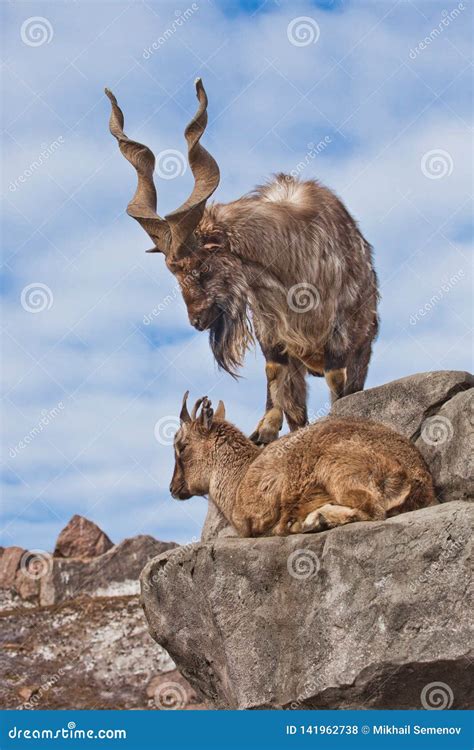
pixel 207 413
pixel 196 407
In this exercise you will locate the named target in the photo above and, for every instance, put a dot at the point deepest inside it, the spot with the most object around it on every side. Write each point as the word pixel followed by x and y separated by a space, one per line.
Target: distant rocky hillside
pixel 72 631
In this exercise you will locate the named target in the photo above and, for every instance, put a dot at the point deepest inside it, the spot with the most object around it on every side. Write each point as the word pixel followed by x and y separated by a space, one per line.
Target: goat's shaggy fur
pixel 330 473
pixel 286 264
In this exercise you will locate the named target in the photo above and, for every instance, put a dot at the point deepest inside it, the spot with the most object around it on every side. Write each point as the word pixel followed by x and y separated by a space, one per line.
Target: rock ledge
pixel 362 616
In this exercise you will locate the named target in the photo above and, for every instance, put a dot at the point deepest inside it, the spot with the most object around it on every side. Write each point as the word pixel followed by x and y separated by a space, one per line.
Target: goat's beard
pixel 230 336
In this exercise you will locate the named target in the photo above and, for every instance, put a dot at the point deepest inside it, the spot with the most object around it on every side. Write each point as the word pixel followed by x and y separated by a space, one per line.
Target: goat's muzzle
pixel 204 319
pixel 179 493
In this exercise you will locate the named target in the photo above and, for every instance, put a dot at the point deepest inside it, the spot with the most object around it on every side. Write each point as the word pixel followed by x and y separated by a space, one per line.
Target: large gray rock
pixel 405 404
pixel 216 525
pixel 435 410
pixel 363 616
pixel 446 442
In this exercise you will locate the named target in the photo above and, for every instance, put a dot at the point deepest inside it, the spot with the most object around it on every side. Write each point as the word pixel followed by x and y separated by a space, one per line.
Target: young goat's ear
pixel 220 411
pixel 184 414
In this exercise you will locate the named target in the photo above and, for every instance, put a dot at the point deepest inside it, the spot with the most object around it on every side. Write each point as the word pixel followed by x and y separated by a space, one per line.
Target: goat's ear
pixel 220 411
pixel 207 414
pixel 213 239
pixel 184 414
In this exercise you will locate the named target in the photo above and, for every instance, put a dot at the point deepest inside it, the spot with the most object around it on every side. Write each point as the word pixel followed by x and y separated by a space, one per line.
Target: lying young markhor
pixel 330 473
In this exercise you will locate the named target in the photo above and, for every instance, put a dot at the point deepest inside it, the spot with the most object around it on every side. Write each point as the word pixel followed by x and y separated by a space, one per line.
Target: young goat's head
pixel 196 251
pixel 193 448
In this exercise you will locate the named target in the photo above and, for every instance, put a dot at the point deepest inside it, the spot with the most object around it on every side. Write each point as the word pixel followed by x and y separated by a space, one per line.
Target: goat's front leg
pixel 286 395
pixel 270 424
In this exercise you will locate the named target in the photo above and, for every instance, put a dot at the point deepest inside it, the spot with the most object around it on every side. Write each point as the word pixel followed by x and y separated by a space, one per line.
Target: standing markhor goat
pixel 328 474
pixel 286 263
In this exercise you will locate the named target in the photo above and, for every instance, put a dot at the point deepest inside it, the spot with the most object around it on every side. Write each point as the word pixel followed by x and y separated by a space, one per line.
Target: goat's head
pixel 193 445
pixel 210 278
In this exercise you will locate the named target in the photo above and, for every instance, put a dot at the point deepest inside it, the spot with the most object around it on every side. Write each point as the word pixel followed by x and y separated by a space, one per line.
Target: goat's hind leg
pixel 335 372
pixel 357 369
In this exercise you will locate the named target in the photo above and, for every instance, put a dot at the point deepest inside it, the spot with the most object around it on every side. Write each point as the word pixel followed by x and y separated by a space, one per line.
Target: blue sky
pixel 86 378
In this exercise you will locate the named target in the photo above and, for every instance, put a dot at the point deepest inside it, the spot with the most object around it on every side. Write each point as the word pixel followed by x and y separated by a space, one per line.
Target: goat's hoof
pixel 263 436
pixel 323 523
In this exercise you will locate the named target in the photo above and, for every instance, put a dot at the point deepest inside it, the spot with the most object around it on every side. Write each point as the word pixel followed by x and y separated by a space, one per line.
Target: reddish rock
pixel 82 538
pixel 9 564
pixel 26 692
pixel 27 587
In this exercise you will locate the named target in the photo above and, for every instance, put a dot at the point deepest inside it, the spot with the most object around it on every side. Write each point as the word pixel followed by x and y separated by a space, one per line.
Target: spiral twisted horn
pixel 185 219
pixel 142 207
pixel 169 234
